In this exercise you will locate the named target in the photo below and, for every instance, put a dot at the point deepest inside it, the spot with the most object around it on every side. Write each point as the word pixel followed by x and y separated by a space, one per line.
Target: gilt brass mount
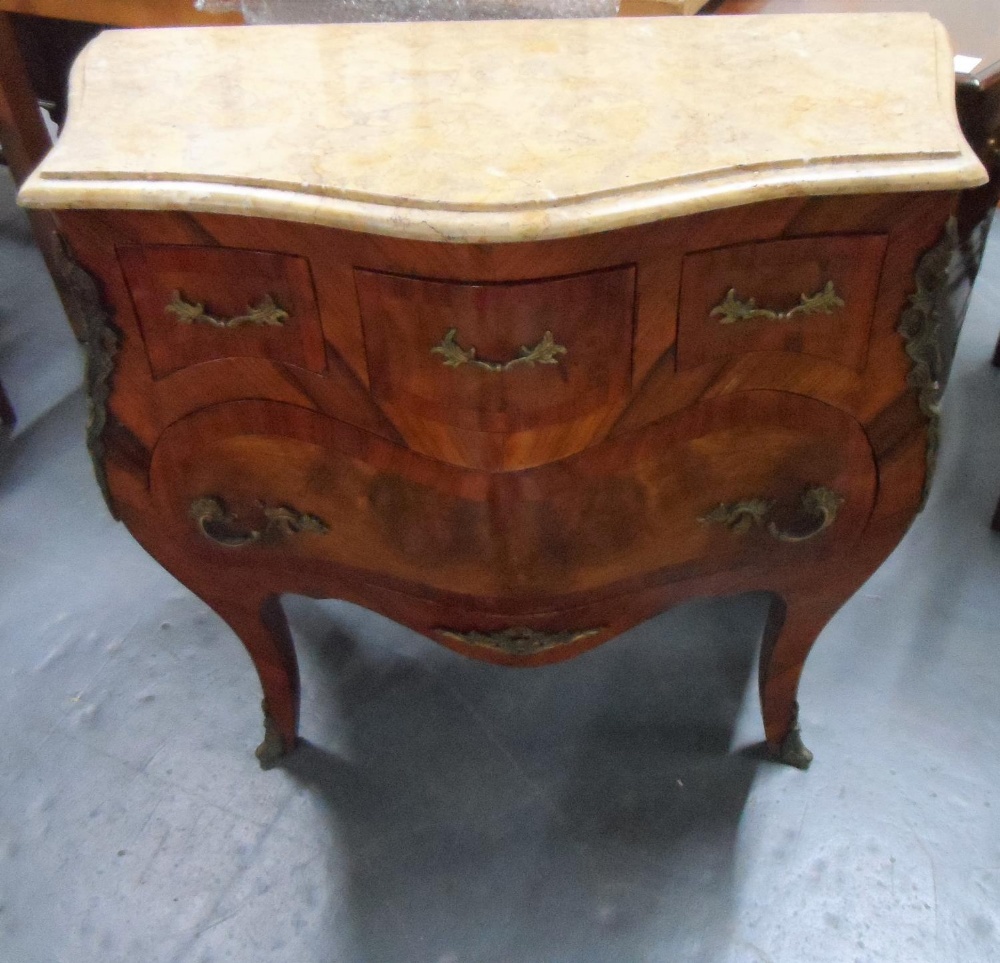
pixel 520 640
pixel 739 517
pixel 929 329
pixel 818 506
pixel 265 314
pixel 102 339
pixel 453 355
pixel 219 525
pixel 732 309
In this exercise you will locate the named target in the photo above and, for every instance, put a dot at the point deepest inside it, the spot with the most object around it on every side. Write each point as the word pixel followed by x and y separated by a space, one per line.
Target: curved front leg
pixel 261 626
pixel 793 623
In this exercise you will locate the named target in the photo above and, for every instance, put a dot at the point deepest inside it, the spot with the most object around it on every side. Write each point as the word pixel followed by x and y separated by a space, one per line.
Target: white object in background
pixel 218 6
pixel 358 11
pixel 965 65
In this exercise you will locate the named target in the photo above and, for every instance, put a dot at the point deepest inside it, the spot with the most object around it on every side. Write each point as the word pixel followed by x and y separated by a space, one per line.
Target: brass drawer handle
pixel 520 640
pixel 219 526
pixel 265 314
pixel 454 355
pixel 732 309
pixel 817 505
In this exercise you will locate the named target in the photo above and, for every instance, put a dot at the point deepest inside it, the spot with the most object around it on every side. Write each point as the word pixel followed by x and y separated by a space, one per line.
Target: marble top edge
pixel 814 170
pixel 470 226
pixel 443 137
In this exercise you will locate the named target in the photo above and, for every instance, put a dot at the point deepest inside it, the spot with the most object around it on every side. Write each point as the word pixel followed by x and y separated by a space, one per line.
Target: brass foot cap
pixel 273 749
pixel 791 751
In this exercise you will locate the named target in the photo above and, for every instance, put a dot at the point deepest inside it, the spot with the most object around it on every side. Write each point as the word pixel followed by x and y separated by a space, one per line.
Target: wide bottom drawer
pixel 760 478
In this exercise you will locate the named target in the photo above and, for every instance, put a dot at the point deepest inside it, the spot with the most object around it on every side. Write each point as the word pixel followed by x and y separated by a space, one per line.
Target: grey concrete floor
pixel 613 808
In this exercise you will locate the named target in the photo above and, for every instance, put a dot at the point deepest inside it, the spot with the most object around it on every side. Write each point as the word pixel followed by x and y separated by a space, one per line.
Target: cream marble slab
pixel 502 131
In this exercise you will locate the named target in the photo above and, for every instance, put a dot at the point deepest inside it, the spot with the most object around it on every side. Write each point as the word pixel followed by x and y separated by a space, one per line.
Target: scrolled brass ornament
pixel 265 314
pixel 817 506
pixel 929 330
pixel 733 310
pixel 739 517
pixel 519 640
pixel 820 506
pixel 102 341
pixel 453 355
pixel 220 526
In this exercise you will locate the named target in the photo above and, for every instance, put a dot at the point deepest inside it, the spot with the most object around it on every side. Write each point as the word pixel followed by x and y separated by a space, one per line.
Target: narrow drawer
pixel 500 356
pixel 197 304
pixel 813 295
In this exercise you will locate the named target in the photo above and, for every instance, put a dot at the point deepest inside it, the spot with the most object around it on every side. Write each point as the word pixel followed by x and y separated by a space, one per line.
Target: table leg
pixel 6 410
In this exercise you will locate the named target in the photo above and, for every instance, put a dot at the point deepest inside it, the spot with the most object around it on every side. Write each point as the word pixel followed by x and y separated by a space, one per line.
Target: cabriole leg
pixel 263 629
pixel 793 623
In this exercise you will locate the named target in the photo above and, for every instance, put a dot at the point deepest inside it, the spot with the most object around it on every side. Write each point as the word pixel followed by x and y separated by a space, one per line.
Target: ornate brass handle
pixel 819 506
pixel 264 314
pixel 219 526
pixel 732 309
pixel 738 517
pixel 520 640
pixel 453 354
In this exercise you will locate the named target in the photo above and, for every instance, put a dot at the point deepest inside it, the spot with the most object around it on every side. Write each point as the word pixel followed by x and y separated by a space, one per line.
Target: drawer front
pixel 498 357
pixel 761 479
pixel 813 296
pixel 197 304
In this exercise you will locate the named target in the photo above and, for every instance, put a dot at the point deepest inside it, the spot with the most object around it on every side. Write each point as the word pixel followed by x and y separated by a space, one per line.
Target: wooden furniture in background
pixel 122 13
pixel 516 378
pixel 38 40
pixel 25 142
pixel 659 8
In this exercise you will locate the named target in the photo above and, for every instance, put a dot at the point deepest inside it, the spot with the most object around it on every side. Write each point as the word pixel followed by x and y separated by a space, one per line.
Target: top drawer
pixel 198 304
pixel 499 356
pixel 813 295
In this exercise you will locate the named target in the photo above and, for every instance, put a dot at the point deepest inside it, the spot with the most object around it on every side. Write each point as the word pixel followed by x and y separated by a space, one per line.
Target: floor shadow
pixel 586 811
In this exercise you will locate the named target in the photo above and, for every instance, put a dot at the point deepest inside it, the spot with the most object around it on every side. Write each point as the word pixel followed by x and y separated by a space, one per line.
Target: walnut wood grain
pixel 522 540
pixel 226 283
pixel 777 276
pixel 532 544
pixel 589 317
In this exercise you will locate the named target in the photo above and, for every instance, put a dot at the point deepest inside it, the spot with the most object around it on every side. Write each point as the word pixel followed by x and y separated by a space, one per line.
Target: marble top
pixel 507 130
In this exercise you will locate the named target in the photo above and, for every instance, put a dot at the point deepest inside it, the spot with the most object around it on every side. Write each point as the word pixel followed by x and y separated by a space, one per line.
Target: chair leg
pixel 7 417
